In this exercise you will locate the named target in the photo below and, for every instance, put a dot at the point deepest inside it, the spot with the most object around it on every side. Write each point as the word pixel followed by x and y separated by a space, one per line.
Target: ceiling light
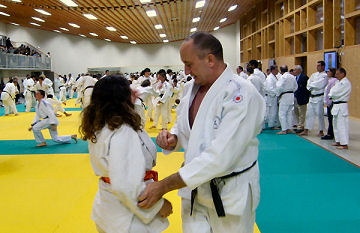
pixel 69 3
pixel 38 19
pixel 162 35
pixel 133 42
pixel 42 11
pixel 233 7
pixel 35 24
pixel 93 34
pixel 111 29
pixel 64 29
pixel 89 16
pixel 193 29
pixel 16 0
pixel 15 24
pixel 151 13
pixel 82 35
pixel 200 4
pixel 158 26
pixel 145 1
pixel 3 6
pixel 57 31
pixel 223 20
pixel 124 37
pixel 2 13
pixel 165 41
pixel 216 28
pixel 107 40
pixel 74 25
pixel 195 20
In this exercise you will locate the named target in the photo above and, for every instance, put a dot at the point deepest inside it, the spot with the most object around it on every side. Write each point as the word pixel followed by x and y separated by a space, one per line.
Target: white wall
pixel 74 54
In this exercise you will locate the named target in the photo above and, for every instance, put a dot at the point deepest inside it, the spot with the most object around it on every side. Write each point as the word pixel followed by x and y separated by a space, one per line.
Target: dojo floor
pixel 304 188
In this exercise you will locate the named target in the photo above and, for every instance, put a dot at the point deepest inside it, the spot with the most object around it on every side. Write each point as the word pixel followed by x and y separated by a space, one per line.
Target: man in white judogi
pixel 340 95
pixel 161 102
pixel 255 64
pixel 241 73
pixel 271 98
pixel 45 84
pixel 315 108
pixel 218 120
pixel 29 86
pixel 71 84
pixel 8 98
pixel 256 81
pixel 46 119
pixel 85 85
pixel 286 86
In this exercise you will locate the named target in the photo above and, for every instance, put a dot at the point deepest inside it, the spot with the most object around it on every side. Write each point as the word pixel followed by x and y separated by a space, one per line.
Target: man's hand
pixel 152 193
pixel 53 127
pixel 166 209
pixel 166 140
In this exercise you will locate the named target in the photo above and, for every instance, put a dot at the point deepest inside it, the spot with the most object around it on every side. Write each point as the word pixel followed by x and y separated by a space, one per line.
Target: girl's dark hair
pixel 110 104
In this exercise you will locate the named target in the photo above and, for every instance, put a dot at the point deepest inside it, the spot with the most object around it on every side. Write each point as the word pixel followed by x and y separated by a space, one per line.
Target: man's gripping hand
pixel 166 140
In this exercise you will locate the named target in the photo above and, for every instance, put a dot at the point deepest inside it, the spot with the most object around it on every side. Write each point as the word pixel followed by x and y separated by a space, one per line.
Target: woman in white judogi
pixel 45 119
pixel 8 98
pixel 340 95
pixel 122 154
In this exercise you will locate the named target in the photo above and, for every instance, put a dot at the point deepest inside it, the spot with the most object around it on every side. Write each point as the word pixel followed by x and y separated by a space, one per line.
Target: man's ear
pixel 210 59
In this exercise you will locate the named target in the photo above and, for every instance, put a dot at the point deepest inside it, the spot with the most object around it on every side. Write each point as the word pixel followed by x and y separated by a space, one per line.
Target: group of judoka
pixel 294 101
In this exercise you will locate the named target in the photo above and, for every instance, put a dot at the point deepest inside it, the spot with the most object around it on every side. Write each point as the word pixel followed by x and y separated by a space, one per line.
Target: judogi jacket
pixel 45 111
pixel 123 155
pixel 316 85
pixel 286 86
pixel 223 139
pixel 257 82
pixel 340 95
pixel 8 92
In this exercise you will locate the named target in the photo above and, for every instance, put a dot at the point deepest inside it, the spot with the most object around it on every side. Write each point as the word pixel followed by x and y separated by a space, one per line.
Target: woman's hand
pixel 166 209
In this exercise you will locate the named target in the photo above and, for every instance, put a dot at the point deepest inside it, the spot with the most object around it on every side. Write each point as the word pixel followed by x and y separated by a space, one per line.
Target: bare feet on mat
pixel 58 115
pixel 67 114
pixel 281 132
pixel 151 119
pixel 304 133
pixel 320 134
pixel 41 144
pixel 75 138
pixel 336 144
pixel 342 147
pixel 153 127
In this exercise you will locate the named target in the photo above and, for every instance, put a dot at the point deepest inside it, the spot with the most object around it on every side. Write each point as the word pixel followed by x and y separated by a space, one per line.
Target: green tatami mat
pixel 24 147
pixel 305 189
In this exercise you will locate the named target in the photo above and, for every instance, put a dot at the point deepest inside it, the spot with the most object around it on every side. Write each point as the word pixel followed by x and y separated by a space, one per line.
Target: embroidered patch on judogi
pixel 237 98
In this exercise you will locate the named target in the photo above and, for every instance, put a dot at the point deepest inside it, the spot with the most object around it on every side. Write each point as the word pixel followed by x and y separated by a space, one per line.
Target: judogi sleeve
pixel 127 170
pixel 317 84
pixel 338 90
pixel 240 124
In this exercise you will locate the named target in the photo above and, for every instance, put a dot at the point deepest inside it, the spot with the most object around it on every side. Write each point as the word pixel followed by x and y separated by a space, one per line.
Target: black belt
pixel 312 96
pixel 9 95
pixel 340 102
pixel 215 192
pixel 285 93
pixel 87 88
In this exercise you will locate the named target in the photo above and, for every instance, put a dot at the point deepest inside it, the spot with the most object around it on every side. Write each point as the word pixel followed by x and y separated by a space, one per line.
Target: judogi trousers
pixel 205 220
pixel 28 100
pixel 161 109
pixel 150 107
pixel 315 110
pixel 341 129
pixel 272 112
pixel 9 103
pixel 285 116
pixel 54 134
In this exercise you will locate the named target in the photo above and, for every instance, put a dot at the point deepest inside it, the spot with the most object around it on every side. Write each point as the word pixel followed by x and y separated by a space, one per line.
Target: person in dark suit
pixel 301 97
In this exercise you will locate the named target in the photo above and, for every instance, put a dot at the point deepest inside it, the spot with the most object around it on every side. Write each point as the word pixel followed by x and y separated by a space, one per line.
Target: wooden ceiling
pixel 128 17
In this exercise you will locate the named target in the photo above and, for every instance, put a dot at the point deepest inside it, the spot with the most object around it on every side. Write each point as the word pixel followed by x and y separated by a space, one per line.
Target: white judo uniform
pixel 257 81
pixel 271 101
pixel 45 117
pixel 340 95
pixel 222 140
pixel 124 156
pixel 315 108
pixel 62 87
pixel 71 84
pixel 8 98
pixel 145 96
pixel 286 86
pixel 29 87
pixel 161 103
pixel 85 85
pixel 46 86
pixel 243 75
